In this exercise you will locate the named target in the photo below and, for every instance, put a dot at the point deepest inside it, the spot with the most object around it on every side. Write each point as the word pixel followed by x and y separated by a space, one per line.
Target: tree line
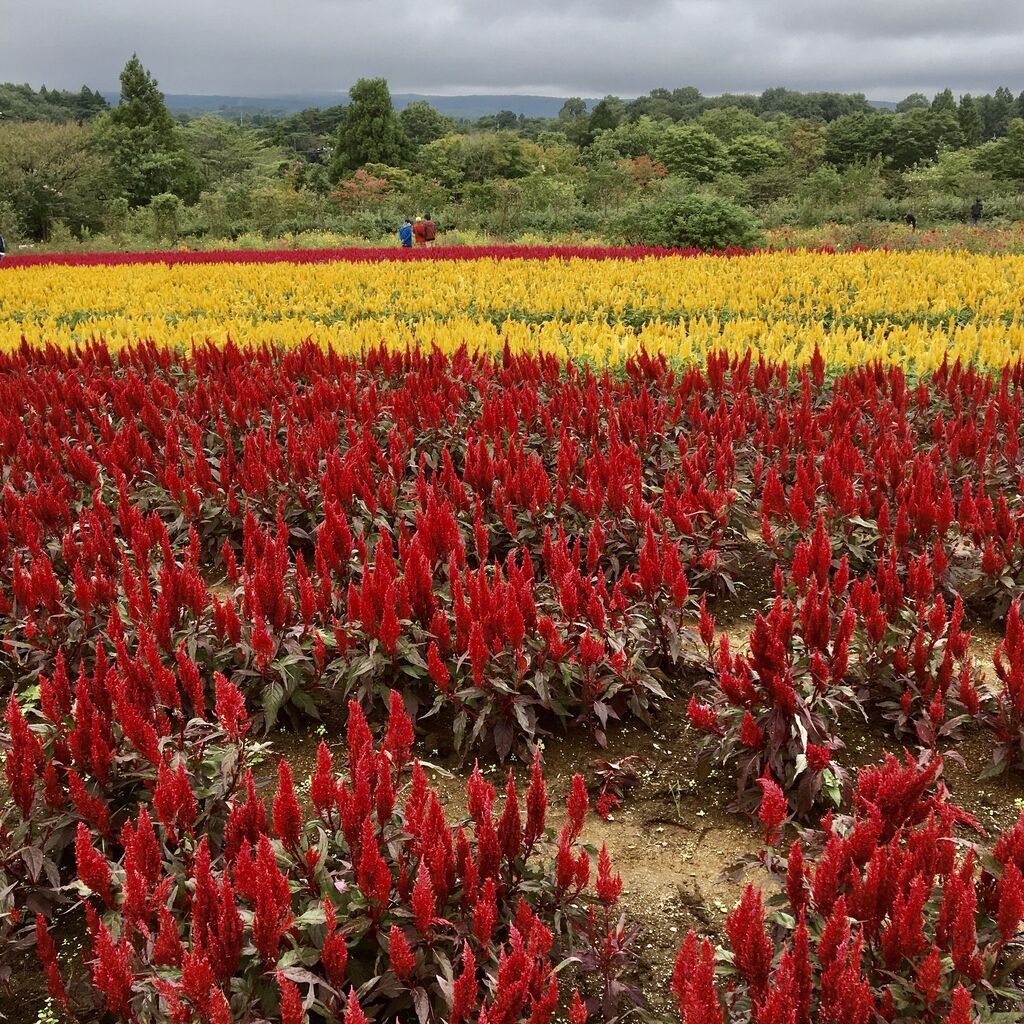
pixel 673 166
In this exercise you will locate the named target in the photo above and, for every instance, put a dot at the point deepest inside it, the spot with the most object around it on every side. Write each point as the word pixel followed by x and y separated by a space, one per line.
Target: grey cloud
pixel 885 48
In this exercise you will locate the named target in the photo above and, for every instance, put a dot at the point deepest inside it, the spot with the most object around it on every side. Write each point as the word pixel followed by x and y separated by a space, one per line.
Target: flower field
pixel 350 610
pixel 907 309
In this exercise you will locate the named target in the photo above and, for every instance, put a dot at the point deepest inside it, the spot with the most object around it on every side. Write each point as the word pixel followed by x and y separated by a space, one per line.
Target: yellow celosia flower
pixel 910 308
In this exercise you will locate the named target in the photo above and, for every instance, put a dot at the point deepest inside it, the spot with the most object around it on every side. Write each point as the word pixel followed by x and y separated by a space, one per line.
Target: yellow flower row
pixel 903 307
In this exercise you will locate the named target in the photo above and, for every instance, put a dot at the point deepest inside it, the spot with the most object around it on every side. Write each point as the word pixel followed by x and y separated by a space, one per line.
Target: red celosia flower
pixel 437 668
pixel 485 912
pixel 111 971
pixel 591 650
pixel 606 803
pixel 751 734
pixel 752 949
pixel 478 654
pixel 693 983
pixel 353 1011
pixel 1010 900
pixel 423 903
pixel 577 1010
pixel 291 1002
pixel 272 904
pixel 961 1009
pixel 334 953
pixel 48 958
pixel 818 757
pixel 774 807
pixel 400 735
pixel 230 708
pixel 93 870
pixel 23 758
pixel 702 716
pixel 577 807
pixel 464 991
pixel 287 817
pixel 510 825
pixel 796 879
pixel 322 786
pixel 609 886
pixel 536 806
pixel 402 958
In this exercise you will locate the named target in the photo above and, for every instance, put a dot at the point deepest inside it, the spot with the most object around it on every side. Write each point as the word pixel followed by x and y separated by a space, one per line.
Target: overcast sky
pixel 884 48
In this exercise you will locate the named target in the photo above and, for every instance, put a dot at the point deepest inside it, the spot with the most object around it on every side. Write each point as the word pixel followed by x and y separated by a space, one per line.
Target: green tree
pixel 572 109
pixel 140 139
pixel 608 184
pixel 674 104
pixel 821 189
pixel 1007 155
pixel 944 102
pixel 918 135
pixel 997 111
pixel 423 123
pixel 972 126
pixel 506 120
pixel 222 151
pixel 440 160
pixel 50 173
pixel 822 106
pixel 607 113
pixel 370 131
pixel 858 137
pixel 915 101
pixel 23 103
pixel 729 123
pixel 946 187
pixel 805 143
pixel 690 151
pixel 483 156
pixel 627 141
pixel 751 154
pixel 573 120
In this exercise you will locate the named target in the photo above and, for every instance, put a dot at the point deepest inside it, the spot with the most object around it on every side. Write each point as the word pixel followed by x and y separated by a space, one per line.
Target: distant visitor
pixel 976 211
pixel 911 221
pixel 405 234
pixel 419 230
pixel 429 231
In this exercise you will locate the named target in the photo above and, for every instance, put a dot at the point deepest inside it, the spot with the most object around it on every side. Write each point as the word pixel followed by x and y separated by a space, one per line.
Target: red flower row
pixel 359 255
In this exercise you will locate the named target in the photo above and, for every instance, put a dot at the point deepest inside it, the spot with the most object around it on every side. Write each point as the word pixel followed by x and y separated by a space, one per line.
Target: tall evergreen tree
pixel 972 125
pixel 370 132
pixel 944 102
pixel 140 139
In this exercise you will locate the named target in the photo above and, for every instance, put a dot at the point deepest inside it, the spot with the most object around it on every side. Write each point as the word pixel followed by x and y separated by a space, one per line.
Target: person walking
pixel 429 231
pixel 405 234
pixel 419 231
pixel 911 221
pixel 3 247
pixel 976 211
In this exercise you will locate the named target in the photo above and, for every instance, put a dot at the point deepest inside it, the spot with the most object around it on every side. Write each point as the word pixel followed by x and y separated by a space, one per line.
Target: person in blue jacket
pixel 405 234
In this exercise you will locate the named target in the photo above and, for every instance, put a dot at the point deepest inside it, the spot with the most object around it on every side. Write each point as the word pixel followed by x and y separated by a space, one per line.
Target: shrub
pixel 674 217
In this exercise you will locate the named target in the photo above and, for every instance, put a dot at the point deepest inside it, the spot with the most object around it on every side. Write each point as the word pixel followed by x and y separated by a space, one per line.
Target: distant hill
pixel 470 107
